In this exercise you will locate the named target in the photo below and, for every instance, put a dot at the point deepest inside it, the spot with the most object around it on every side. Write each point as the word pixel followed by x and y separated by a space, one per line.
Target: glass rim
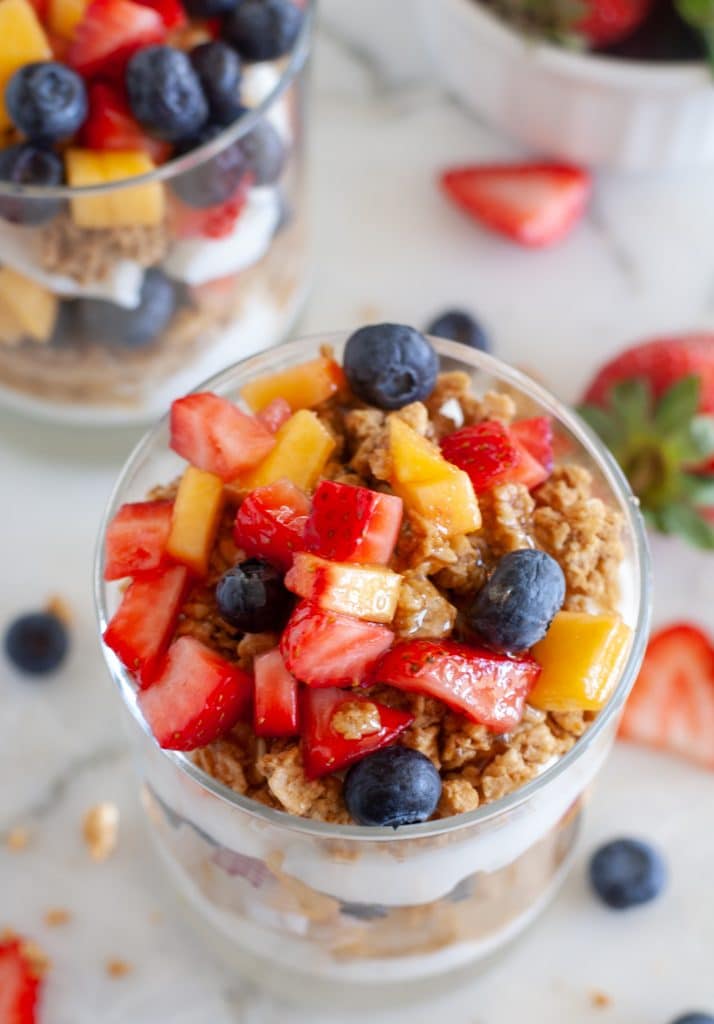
pixel 486 813
pixel 188 161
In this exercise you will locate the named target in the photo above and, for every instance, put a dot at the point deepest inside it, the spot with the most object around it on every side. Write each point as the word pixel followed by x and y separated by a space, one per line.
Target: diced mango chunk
pixel 135 206
pixel 33 307
pixel 413 457
pixel 302 447
pixel 63 16
pixel 22 41
pixel 302 386
pixel 196 515
pixel 10 327
pixel 581 657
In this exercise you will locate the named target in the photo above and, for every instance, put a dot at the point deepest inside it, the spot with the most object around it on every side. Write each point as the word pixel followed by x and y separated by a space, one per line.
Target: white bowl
pixel 604 111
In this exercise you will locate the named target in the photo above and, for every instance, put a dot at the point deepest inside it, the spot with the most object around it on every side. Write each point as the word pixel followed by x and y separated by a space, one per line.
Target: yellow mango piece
pixel 413 457
pixel 302 386
pixel 22 41
pixel 302 447
pixel 581 656
pixel 10 328
pixel 449 501
pixel 140 205
pixel 195 519
pixel 63 16
pixel 33 307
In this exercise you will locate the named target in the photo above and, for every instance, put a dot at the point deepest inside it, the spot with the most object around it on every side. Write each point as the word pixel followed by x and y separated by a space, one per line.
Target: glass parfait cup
pixel 359 915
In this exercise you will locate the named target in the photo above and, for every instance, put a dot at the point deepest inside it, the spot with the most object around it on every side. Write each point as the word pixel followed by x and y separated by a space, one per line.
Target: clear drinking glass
pixel 372 915
pixel 227 246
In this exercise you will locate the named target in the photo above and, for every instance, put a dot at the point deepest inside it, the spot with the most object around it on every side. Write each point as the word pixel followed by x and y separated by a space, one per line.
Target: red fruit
pixel 198 697
pixel 40 7
pixel 324 648
pixel 672 704
pixel 340 728
pixel 271 521
pixel 110 125
pixel 609 21
pixel 210 221
pixel 109 33
pixel 533 204
pixel 171 11
pixel 536 436
pixel 275 711
pixel 353 524
pixel 143 624
pixel 19 984
pixel 486 687
pixel 485 451
pixel 275 414
pixel 136 538
pixel 214 435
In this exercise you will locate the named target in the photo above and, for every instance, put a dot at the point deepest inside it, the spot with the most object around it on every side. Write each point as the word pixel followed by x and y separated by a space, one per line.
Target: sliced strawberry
pixel 271 522
pixel 19 984
pixel 486 687
pixel 109 33
pixel 527 471
pixel 275 414
pixel 209 221
pixel 40 7
pixel 485 451
pixel 172 12
pixel 353 524
pixel 324 648
pixel 214 435
pixel 142 625
pixel 136 538
pixel 198 697
pixel 368 592
pixel 536 436
pixel 340 728
pixel 275 710
pixel 609 21
pixel 110 125
pixel 534 204
pixel 672 704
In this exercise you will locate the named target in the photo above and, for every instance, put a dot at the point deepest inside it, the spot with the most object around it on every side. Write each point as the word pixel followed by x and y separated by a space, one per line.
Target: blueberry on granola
pixel 251 596
pixel 458 325
pixel 37 642
pixel 626 873
pixel 394 786
pixel 390 365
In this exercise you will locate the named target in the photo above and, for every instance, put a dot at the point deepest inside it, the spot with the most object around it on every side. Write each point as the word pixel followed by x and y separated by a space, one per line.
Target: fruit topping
pixel 32 306
pixel 517 604
pixel 581 658
pixel 458 325
pixel 302 387
pixel 110 125
pixel 251 596
pixel 218 68
pixel 214 181
pixel 46 100
pixel 627 873
pixel 536 436
pixel 25 164
pixel 365 591
pixel 212 434
pixel 20 983
pixel 208 222
pixel 263 29
pixel 37 642
pixel 23 41
pixel 136 539
pixel 390 365
pixel 392 787
pixel 303 446
pixel 485 451
pixel 136 205
pixel 194 520
pixel 109 33
pixel 275 707
pixel 323 648
pixel 198 697
pixel 353 524
pixel 270 523
pixel 275 414
pixel 131 328
pixel 209 8
pixel 63 16
pixel 172 12
pixel 340 728
pixel 165 93
pixel 264 152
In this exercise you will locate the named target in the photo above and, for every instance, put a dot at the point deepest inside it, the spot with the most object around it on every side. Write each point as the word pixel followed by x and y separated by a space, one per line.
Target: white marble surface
pixel 387 246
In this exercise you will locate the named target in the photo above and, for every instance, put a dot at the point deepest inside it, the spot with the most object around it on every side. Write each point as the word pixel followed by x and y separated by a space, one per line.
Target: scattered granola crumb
pixel 600 1000
pixel 58 606
pixel 355 719
pixel 118 968
pixel 55 917
pixel 457 797
pixel 18 839
pixel 101 830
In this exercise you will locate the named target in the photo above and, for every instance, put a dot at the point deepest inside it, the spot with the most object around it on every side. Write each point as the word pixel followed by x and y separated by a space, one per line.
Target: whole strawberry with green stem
pixel 653 406
pixel 590 23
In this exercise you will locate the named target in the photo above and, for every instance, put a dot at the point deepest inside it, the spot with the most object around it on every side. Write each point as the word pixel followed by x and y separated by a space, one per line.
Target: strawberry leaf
pixel 702 430
pixel 601 422
pixel 631 400
pixel 699 489
pixel 678 405
pixel 700 15
pixel 684 520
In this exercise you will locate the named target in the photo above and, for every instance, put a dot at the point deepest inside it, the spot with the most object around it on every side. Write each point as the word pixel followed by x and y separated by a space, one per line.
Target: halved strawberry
pixel 534 204
pixel 172 12
pixel 109 33
pixel 486 687
pixel 209 221
pixel 271 522
pixel 19 984
pixel 672 704
pixel 214 435
pixel 197 698
pixel 136 538
pixel 275 709
pixel 485 451
pixel 142 625
pixel 353 524
pixel 536 436
pixel 324 648
pixel 366 591
pixel 275 414
pixel 110 125
pixel 340 728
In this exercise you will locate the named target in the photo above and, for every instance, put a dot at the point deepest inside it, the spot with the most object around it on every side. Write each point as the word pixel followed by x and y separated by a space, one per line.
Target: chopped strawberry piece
pixel 324 648
pixel 485 451
pixel 136 538
pixel 275 414
pixel 111 126
pixel 368 592
pixel 486 687
pixel 340 728
pixel 271 522
pixel 536 436
pixel 275 711
pixel 353 524
pixel 19 984
pixel 609 21
pixel 527 471
pixel 198 697
pixel 172 12
pixel 672 704
pixel 141 628
pixel 109 33
pixel 214 435
pixel 210 221
pixel 40 7
pixel 533 204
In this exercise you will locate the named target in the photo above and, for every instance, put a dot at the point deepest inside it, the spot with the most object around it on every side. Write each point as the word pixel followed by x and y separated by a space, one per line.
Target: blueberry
pixel 265 153
pixel 390 365
pixel 37 642
pixel 626 873
pixel 263 29
pixel 209 8
pixel 212 182
pixel 695 1018
pixel 131 328
pixel 165 93
pixel 218 68
pixel 47 101
pixel 515 607
pixel 26 164
pixel 394 786
pixel 457 325
pixel 251 596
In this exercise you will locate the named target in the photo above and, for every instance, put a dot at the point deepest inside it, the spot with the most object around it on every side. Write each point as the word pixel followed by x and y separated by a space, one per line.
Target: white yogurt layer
pixel 257 82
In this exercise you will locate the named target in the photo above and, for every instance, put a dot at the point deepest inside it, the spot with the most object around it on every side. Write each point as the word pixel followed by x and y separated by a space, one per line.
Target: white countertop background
pixel 387 246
